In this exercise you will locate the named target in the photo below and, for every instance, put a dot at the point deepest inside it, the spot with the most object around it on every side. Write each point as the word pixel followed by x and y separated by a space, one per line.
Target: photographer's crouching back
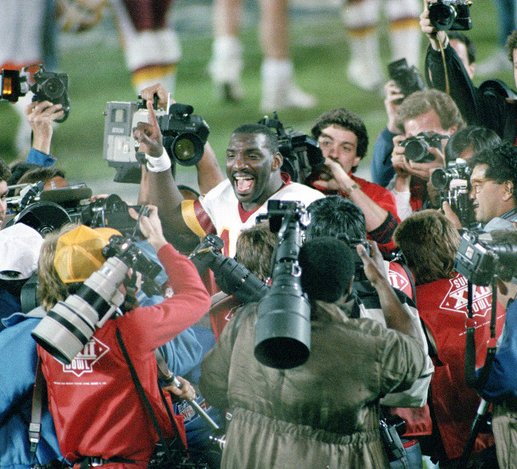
pixel 98 413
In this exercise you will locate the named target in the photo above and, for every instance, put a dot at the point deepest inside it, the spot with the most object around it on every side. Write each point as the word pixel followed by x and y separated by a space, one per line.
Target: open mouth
pixel 243 184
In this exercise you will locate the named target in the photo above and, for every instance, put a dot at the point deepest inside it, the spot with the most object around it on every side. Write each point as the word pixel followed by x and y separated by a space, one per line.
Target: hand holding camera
pixel 373 264
pixel 150 226
pixel 41 116
pixel 148 135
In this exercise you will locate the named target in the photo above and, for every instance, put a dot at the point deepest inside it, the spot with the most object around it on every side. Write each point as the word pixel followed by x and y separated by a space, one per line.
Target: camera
pixel 46 211
pixel 302 154
pixel 454 187
pixel 69 325
pixel 407 78
pixel 450 15
pixel 479 258
pixel 232 277
pixel 417 147
pixel 46 86
pixel 283 328
pixel 184 136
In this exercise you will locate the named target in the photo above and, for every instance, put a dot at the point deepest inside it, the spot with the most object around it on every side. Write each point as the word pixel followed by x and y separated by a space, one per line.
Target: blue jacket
pixel 17 371
pixel 502 379
pixel 381 168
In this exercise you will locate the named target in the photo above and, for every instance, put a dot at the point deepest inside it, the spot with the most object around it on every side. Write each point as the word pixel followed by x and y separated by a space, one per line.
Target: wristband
pixel 158 164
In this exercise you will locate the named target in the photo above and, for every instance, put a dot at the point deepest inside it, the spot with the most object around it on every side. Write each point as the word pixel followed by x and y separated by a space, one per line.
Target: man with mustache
pixel 494 186
pixel 254 176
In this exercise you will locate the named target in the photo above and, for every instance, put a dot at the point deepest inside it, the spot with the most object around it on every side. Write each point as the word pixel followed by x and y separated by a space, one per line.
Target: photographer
pixel 479 105
pixel 494 186
pixel 253 163
pixel 394 92
pixel 343 140
pixel 108 423
pixel 450 186
pixel 501 386
pixel 429 243
pixel 20 250
pixel 427 118
pixel 301 417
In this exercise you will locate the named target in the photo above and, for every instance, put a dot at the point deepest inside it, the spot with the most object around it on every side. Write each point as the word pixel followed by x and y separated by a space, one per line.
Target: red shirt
pixel 443 308
pixel 93 401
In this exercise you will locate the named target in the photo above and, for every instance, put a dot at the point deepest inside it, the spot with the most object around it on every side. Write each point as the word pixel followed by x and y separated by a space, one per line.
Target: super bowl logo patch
pixel 86 359
pixel 456 298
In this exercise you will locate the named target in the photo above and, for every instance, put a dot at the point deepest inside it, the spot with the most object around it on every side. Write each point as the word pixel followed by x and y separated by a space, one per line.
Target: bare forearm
pixel 208 172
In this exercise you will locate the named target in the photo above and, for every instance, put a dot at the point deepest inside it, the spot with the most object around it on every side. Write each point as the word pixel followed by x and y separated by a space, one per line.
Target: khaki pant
pixel 504 426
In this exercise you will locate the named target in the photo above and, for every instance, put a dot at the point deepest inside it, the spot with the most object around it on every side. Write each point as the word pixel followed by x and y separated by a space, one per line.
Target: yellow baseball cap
pixel 79 252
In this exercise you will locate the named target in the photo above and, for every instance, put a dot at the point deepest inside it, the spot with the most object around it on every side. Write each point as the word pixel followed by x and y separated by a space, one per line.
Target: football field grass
pixel 97 74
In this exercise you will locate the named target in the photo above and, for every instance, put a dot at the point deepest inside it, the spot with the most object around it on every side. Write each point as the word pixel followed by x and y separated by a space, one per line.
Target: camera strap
pixel 477 381
pixel 141 392
pixel 38 395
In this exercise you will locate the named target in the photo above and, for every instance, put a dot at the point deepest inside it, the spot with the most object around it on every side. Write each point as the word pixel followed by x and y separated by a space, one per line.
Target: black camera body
pixel 453 183
pixel 302 154
pixel 184 134
pixel 46 86
pixel 417 147
pixel 451 15
pixel 283 329
pixel 479 258
pixel 231 277
pixel 407 78
pixel 125 249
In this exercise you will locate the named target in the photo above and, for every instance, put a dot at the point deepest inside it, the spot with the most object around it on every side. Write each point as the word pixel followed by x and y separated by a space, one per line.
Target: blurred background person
pixel 362 19
pixel 279 90
pixel 151 46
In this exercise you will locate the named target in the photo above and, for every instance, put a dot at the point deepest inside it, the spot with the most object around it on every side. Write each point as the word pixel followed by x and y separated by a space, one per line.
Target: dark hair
pixel 327 268
pixel 260 129
pixel 40 174
pixel 473 137
pixel 348 120
pixel 18 169
pixel 333 216
pixel 471 48
pixel 501 164
pixel 5 172
pixel 511 44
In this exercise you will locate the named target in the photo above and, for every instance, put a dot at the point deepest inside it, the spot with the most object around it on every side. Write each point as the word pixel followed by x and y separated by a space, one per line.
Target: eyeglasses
pixel 478 184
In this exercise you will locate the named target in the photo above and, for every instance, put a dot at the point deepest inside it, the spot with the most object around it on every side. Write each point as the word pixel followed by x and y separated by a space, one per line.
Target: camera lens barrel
pixel 70 324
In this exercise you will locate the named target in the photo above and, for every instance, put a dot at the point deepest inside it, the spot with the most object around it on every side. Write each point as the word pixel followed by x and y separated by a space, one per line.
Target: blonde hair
pixel 50 287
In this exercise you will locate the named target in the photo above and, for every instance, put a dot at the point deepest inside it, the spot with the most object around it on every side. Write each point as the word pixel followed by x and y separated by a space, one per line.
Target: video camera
pixel 232 277
pixel 184 136
pixel 407 78
pixel 69 325
pixel 451 15
pixel 46 211
pixel 302 154
pixel 479 258
pixel 417 147
pixel 453 183
pixel 46 86
pixel 283 329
